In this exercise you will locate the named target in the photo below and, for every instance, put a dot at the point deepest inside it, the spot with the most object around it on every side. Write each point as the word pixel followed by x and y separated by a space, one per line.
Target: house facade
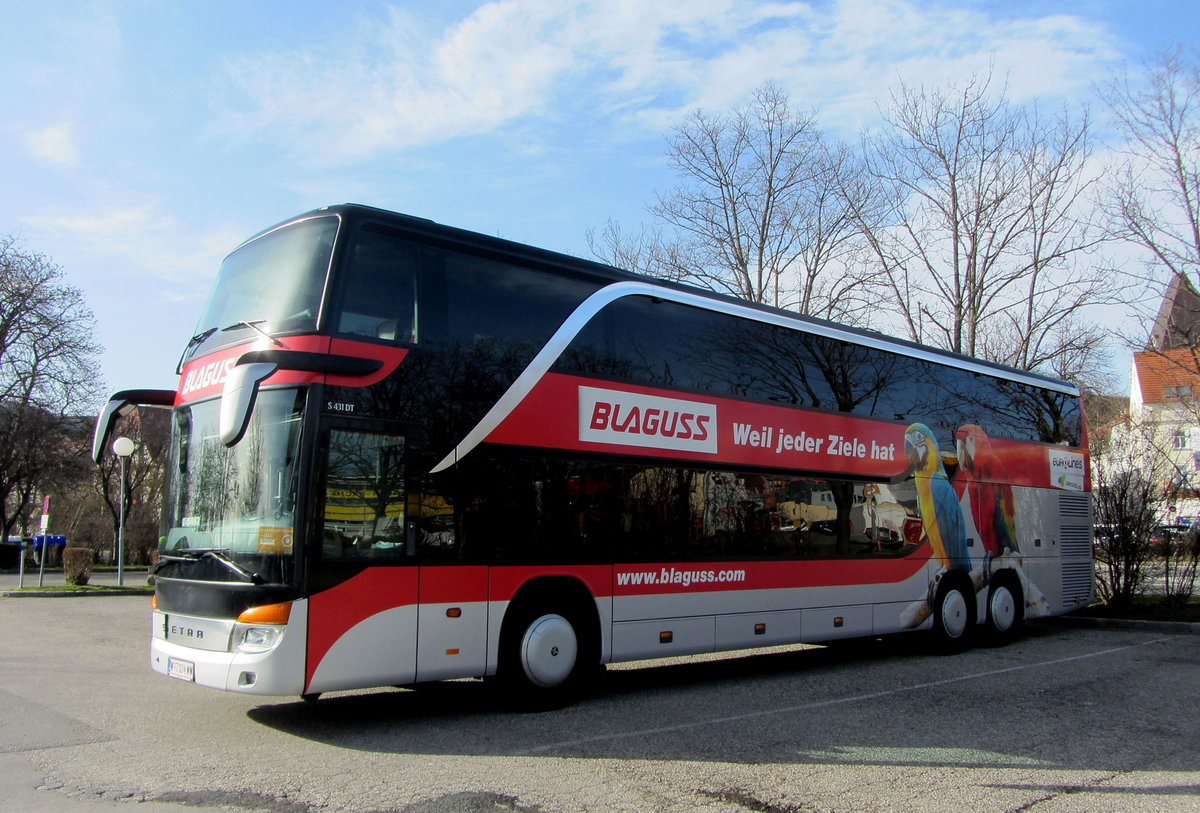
pixel 1164 399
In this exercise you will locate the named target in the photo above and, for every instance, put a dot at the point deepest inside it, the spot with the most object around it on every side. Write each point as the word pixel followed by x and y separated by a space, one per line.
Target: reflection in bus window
pixel 238 500
pixel 528 510
pixel 364 496
pixel 665 344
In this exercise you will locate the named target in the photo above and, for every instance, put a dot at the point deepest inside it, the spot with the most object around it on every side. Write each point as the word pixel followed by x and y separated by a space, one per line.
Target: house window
pixel 1178 391
pixel 1179 439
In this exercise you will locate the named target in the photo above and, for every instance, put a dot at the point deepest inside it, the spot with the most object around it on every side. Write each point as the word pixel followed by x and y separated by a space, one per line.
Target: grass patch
pixel 76 588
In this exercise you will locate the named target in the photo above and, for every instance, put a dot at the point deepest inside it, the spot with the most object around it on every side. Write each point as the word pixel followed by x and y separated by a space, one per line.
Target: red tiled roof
pixel 1159 369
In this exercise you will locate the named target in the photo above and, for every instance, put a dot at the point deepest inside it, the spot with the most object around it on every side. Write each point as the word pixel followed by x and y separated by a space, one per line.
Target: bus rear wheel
pixel 1005 609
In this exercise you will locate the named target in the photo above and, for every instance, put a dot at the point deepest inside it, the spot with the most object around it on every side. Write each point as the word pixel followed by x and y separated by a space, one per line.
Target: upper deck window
pixel 666 344
pixel 276 280
pixel 379 295
pixel 397 289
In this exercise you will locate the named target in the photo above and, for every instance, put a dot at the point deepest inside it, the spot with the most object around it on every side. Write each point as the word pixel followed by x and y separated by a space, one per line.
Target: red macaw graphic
pixel 982 475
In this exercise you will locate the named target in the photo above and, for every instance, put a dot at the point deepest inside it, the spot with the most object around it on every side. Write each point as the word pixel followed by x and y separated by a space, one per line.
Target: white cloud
pixel 145 243
pixel 54 144
pixel 400 85
pixel 405 83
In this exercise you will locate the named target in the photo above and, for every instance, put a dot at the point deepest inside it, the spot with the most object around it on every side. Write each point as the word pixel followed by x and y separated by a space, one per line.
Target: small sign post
pixel 45 525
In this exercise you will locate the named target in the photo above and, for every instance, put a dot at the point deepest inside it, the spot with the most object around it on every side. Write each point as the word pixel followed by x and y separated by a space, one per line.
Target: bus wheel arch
pixel 549 642
pixel 1005 607
pixel 953 612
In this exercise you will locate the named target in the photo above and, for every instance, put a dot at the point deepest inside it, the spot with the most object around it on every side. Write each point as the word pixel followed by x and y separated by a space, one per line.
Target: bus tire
pixel 544 656
pixel 953 613
pixel 1005 608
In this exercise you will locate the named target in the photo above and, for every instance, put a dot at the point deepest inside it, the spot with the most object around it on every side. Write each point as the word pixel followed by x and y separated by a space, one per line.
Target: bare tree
pixel 48 367
pixel 759 212
pixel 45 454
pixel 647 252
pixel 149 429
pixel 1130 477
pixel 1153 200
pixel 736 199
pixel 984 247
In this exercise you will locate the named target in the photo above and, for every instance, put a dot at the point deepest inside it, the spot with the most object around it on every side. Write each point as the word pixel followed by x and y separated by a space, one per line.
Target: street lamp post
pixel 124 448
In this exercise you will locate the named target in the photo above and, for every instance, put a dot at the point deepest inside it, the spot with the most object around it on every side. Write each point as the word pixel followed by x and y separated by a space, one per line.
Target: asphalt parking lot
pixel 1065 719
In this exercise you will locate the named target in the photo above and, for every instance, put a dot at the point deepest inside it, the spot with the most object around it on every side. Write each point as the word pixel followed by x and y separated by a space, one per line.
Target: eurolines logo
pixel 629 419
pixel 1066 470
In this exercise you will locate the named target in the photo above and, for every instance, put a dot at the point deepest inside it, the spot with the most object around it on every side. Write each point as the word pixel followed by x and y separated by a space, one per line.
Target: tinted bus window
pixel 475 301
pixel 276 279
pixel 513 509
pixel 399 290
pixel 675 346
pixel 379 294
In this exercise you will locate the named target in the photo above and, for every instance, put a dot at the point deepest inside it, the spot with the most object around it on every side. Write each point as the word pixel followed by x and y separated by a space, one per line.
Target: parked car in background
pixel 1168 535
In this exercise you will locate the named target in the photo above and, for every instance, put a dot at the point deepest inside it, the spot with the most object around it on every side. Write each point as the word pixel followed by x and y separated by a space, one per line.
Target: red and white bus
pixel 403 452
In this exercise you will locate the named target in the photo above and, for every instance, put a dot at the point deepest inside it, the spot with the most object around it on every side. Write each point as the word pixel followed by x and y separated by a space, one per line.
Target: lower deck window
pixel 516 510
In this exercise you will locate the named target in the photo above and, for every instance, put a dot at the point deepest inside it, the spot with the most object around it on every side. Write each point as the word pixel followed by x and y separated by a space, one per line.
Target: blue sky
pixel 142 140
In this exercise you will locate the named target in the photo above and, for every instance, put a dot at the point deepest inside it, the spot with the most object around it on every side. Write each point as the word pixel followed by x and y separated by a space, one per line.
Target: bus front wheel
pixel 953 615
pixel 540 664
pixel 549 650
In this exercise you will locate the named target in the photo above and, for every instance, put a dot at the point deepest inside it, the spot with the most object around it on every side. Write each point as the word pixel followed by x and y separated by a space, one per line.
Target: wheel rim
pixel 548 650
pixel 954 613
pixel 1003 609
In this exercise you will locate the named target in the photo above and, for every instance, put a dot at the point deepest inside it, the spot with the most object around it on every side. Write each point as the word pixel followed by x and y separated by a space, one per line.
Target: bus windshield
pixel 275 281
pixel 233 505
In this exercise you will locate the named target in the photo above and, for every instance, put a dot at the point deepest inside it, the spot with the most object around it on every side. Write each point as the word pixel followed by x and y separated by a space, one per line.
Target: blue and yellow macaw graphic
pixel 941 514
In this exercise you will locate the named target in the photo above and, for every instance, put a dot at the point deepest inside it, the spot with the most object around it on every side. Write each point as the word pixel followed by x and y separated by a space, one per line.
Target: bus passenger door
pixel 364 580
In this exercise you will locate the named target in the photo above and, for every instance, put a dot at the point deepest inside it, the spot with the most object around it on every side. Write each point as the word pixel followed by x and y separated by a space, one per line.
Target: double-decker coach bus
pixel 403 452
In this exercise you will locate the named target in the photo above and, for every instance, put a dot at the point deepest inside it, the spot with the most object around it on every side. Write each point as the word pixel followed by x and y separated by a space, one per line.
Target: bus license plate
pixel 184 670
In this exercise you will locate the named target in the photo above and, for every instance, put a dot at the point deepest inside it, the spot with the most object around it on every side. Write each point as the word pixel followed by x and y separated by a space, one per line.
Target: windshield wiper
pixel 197 554
pixel 253 324
pixel 192 342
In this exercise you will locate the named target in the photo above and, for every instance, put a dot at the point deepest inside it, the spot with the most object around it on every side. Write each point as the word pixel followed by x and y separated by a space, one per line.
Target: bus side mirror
pixel 237 399
pixel 121 404
pixel 115 408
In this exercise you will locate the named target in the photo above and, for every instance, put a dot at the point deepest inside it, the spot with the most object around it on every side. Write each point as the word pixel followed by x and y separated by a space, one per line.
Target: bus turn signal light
pixel 267 614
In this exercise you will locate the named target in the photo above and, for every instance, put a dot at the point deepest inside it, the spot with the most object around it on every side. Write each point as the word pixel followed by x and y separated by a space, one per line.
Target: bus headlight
pixel 260 629
pixel 256 638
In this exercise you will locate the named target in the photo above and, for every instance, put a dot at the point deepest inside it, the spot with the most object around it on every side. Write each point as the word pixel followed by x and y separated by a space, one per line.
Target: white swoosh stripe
pixel 574 323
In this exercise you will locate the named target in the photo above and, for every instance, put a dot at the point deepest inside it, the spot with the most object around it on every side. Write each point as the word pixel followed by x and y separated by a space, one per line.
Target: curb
pixel 119 591
pixel 1127 624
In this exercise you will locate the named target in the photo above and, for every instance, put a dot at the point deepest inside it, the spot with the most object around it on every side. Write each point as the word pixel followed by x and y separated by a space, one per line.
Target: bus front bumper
pixel 199 650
